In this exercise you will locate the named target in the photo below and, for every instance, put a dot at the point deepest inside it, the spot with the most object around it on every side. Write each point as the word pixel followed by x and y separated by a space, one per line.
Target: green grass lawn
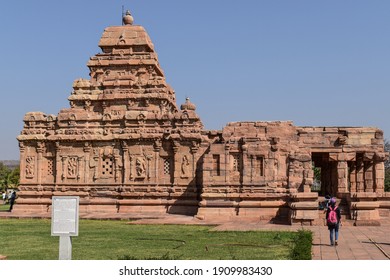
pixel 3 207
pixel 30 239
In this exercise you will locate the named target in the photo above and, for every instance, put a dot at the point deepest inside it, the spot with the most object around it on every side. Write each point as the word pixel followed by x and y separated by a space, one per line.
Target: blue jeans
pixel 334 232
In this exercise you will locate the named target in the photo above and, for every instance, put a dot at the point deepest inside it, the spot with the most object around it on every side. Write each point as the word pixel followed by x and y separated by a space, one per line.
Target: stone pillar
pixel 342 175
pixel 369 176
pixel 379 169
pixel 352 177
pixel 368 172
pixel 359 175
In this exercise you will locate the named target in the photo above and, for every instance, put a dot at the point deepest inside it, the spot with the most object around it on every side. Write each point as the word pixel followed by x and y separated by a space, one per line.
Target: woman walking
pixel 333 219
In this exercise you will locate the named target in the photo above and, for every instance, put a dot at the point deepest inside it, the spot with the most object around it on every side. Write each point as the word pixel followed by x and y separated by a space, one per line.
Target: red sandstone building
pixel 124 146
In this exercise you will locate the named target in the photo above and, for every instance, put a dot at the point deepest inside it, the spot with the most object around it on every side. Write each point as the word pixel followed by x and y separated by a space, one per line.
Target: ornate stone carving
pixel 72 167
pixel 185 167
pixel 30 167
pixel 140 167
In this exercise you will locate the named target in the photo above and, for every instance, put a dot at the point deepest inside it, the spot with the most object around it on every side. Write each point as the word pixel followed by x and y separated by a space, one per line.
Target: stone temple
pixel 124 146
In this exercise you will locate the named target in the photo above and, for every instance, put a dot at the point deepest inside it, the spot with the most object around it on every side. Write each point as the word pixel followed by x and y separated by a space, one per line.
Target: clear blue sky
pixel 317 63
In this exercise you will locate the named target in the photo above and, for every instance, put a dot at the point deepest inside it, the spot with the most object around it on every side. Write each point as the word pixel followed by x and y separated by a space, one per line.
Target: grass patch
pixel 3 207
pixel 28 239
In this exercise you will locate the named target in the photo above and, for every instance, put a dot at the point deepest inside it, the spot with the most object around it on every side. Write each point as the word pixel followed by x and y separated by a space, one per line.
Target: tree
pixel 9 178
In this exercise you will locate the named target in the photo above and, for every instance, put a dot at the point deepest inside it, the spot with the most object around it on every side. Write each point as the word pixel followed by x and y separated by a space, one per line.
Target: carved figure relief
pixel 130 104
pixel 185 118
pixel 185 164
pixel 72 120
pixel 87 105
pixel 31 121
pixel 140 167
pixel 141 119
pixel 30 167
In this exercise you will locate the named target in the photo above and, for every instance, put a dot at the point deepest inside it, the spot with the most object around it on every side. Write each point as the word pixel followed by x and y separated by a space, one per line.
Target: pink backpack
pixel 332 217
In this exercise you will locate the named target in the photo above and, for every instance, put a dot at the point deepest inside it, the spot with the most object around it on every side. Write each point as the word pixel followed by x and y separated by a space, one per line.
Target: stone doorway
pixel 325 174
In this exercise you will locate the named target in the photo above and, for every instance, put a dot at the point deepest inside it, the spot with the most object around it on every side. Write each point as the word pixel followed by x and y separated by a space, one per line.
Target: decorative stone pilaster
pixel 176 162
pixel 40 150
pixel 117 166
pixel 194 149
pixel 156 148
pixel 58 175
pixel 22 148
pixel 227 163
pixel 246 168
pixel 87 151
pixel 125 150
pixel 63 167
pixel 79 167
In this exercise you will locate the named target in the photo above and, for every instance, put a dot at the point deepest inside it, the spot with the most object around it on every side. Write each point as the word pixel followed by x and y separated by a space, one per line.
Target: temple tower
pixel 123 145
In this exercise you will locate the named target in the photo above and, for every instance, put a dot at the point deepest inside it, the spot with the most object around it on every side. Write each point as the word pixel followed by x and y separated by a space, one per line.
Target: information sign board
pixel 65 216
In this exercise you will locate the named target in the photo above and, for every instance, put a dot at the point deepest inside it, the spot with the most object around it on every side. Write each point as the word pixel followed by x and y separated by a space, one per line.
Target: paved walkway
pixel 355 243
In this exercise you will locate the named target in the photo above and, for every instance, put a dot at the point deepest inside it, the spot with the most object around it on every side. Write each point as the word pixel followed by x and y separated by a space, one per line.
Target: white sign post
pixel 65 222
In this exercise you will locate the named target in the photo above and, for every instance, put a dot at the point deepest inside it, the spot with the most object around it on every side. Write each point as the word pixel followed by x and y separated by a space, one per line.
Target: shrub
pixel 302 245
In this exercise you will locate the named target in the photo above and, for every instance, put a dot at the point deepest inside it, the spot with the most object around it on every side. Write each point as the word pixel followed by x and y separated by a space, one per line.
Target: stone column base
pixel 365 209
pixel 304 208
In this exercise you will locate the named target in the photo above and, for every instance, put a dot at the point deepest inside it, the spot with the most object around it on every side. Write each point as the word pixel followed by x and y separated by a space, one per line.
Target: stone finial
pixel 128 18
pixel 188 105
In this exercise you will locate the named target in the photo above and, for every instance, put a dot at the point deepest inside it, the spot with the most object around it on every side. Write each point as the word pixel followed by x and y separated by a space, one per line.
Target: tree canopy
pixel 9 178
